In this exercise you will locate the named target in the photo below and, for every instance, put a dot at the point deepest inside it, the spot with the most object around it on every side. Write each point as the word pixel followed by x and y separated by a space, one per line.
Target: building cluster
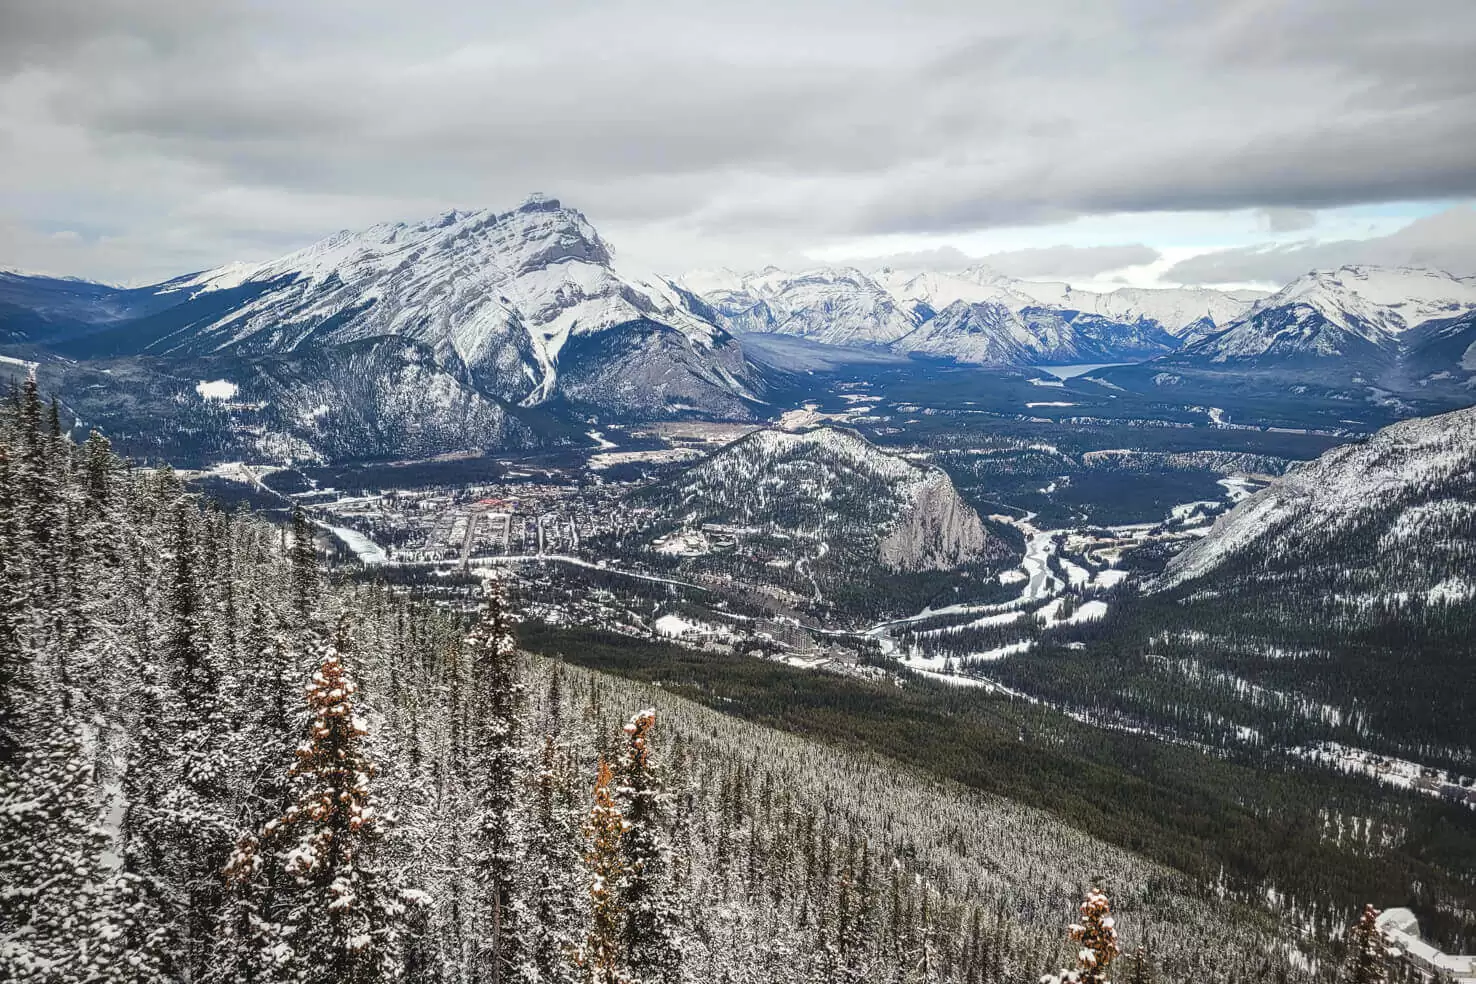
pixel 1402 930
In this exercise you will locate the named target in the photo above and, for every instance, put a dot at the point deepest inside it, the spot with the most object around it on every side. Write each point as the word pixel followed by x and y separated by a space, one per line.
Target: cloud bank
pixel 167 134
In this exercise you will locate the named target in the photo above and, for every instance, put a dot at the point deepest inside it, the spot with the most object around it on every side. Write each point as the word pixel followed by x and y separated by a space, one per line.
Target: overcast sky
pixel 1140 141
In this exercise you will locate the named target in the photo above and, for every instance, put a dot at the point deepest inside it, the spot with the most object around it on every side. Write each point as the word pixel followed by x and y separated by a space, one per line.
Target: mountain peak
pixel 539 202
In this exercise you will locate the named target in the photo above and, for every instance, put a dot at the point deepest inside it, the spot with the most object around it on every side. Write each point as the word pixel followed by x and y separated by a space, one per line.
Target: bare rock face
pixel 938 531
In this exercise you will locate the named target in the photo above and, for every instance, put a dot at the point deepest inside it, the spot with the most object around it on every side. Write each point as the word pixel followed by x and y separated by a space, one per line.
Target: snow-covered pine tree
pixel 195 816
pixel 497 767
pixel 303 555
pixel 652 947
pixel 600 957
pixel 552 860
pixel 1368 959
pixel 339 916
pixel 12 656
pixel 36 496
pixel 50 845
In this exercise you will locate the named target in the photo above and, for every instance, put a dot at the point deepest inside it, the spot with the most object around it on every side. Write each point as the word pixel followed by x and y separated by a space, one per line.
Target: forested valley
pixel 216 765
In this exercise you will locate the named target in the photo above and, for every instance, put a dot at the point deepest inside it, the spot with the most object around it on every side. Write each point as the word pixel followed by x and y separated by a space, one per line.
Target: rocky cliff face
pixel 938 531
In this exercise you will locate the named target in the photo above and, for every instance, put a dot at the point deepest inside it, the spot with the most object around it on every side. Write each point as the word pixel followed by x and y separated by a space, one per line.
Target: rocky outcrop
pixel 938 531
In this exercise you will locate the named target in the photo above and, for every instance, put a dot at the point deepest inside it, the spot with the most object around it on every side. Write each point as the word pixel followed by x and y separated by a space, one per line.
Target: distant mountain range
pixel 976 317
pixel 481 329
pixel 1400 337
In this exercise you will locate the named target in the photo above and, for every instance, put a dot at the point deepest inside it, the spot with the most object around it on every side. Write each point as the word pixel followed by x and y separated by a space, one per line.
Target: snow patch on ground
pixel 673 626
pixel 685 543
pixel 370 554
pixel 216 389
pixel 1236 488
pixel 1075 574
pixel 9 361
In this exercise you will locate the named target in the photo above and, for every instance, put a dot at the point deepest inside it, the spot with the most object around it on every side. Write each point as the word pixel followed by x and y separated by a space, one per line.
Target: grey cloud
pixel 1070 262
pixel 759 127
pixel 1040 263
pixel 943 259
pixel 1283 219
pixel 1444 241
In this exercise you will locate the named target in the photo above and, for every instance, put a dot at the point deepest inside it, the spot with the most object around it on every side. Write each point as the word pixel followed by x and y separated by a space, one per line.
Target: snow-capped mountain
pixel 1356 312
pixel 978 333
pixel 1392 517
pixel 934 291
pixel 501 295
pixel 1176 310
pixel 829 509
pixel 990 334
pixel 491 311
pixel 1442 351
pixel 832 306
pixel 976 316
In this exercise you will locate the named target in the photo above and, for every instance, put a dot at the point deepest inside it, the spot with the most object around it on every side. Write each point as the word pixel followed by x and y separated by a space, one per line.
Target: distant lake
pixel 1066 372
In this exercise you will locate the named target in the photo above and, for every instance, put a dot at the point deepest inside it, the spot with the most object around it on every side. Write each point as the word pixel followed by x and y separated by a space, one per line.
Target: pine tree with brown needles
pixel 1096 935
pixel 600 958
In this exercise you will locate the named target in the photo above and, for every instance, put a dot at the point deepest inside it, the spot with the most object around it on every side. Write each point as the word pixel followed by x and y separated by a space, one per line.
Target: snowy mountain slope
pixel 45 310
pixel 826 511
pixel 989 333
pixel 832 306
pixel 1176 309
pixel 1442 351
pixel 976 285
pixel 1393 516
pixel 980 333
pixel 1358 313
pixel 498 293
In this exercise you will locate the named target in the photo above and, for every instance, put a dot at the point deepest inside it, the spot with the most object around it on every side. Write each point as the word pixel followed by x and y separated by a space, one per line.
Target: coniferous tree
pixel 303 556
pixel 50 845
pixel 1368 961
pixel 551 857
pixel 12 656
pixel 600 958
pixel 339 916
pixel 195 817
pixel 498 767
pixel 652 950
pixel 1096 935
